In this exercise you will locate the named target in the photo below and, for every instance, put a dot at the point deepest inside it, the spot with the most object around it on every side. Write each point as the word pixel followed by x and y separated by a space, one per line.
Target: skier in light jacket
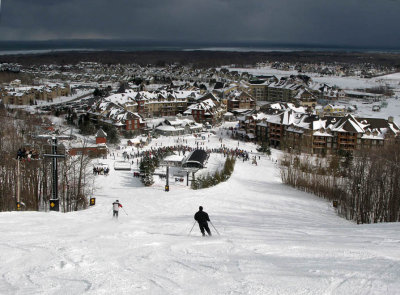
pixel 116 206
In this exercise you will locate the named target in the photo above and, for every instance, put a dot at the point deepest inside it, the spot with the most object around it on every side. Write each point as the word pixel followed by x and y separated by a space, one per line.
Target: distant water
pixel 37 47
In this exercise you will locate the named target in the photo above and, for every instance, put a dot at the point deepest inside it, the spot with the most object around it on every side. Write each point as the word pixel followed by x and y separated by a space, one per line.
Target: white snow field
pixel 274 240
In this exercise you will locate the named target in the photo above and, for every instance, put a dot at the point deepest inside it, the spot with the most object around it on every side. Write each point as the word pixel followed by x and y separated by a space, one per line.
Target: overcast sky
pixel 339 22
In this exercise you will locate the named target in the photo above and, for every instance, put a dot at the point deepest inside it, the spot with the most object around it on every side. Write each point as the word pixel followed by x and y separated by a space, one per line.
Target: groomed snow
pixel 274 240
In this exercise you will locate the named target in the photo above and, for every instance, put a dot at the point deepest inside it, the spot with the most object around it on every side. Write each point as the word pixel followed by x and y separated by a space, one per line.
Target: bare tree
pixel 365 187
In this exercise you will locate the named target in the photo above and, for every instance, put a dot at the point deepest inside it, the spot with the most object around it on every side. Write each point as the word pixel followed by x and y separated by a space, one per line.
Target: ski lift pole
pixel 167 180
pixel 18 182
pixel 191 228
pixel 54 156
pixel 214 228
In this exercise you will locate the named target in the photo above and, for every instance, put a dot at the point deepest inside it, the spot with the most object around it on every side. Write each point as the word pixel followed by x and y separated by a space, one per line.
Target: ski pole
pixel 124 211
pixel 214 228
pixel 191 228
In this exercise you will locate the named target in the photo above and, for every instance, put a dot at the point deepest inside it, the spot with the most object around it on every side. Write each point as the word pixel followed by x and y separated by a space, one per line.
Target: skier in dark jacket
pixel 202 217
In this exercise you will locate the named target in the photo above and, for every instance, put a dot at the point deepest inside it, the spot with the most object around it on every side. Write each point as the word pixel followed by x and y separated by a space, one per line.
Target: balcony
pixel 346 141
pixel 346 136
pixel 319 145
pixel 319 141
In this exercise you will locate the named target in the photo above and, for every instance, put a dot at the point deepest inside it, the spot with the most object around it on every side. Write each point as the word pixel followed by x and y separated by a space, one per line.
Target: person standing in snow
pixel 202 218
pixel 116 206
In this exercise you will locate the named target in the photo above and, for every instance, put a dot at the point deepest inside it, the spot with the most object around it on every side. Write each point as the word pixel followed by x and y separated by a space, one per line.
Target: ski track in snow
pixel 274 240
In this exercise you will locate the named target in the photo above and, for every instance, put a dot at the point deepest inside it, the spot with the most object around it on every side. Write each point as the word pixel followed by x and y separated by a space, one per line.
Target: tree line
pixel 217 177
pixel 204 59
pixel 363 186
pixel 30 180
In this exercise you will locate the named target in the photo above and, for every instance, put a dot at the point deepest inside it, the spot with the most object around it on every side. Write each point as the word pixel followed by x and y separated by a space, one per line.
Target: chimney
pixel 390 119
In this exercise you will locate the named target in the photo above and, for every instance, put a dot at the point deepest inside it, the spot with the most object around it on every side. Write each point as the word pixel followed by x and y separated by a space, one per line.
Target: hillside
pixel 274 240
pixel 202 58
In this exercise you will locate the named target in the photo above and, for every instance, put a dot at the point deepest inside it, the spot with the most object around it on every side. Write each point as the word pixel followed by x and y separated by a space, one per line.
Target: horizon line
pixel 245 43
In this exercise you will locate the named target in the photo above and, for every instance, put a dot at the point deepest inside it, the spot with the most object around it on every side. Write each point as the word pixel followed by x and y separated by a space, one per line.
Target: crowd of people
pixel 101 170
pixel 23 154
pixel 162 151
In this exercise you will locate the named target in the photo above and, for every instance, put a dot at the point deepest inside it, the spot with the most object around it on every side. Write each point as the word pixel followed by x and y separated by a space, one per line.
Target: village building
pixel 206 111
pixel 240 100
pixel 16 94
pixel 248 125
pixel 94 151
pixel 352 94
pixel 112 114
pixel 297 131
pixel 139 141
pixel 306 98
pixel 174 126
pixel 331 110
pixel 101 137
pixel 153 104
pixel 258 87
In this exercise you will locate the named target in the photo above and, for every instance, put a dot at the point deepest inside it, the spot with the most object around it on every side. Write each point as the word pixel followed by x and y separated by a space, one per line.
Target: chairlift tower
pixel 167 180
pixel 54 202
pixel 18 185
pixel 189 170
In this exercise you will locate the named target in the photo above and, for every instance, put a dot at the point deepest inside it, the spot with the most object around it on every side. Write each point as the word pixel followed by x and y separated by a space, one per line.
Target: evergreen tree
pixel 195 184
pixel 122 87
pixel 264 148
pixel 86 127
pixel 97 92
pixel 217 177
pixel 112 134
pixel 146 171
pixel 208 181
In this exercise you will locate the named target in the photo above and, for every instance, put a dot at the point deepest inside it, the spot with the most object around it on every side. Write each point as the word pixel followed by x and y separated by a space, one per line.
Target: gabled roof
pixel 378 123
pixel 196 159
pixel 101 133
pixel 349 124
pixel 208 96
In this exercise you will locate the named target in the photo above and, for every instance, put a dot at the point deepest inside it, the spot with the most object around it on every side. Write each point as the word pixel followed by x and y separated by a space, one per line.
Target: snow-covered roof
pixel 101 133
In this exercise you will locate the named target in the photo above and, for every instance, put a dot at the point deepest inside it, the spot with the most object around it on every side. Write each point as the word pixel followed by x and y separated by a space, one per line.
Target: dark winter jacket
pixel 201 217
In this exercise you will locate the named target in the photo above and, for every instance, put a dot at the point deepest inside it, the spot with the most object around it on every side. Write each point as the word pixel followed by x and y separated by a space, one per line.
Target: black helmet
pixel 116 201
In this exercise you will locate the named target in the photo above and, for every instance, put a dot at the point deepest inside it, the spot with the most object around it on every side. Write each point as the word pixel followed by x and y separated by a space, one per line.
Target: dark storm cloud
pixel 340 22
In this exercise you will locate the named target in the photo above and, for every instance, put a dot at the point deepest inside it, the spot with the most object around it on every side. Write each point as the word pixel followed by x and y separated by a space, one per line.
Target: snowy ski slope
pixel 274 240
